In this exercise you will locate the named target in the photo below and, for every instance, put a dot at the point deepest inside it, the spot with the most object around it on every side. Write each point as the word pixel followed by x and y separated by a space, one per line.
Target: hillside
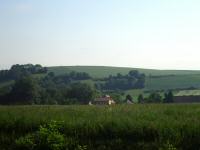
pixel 165 79
pixel 173 82
pixel 103 71
pixel 159 79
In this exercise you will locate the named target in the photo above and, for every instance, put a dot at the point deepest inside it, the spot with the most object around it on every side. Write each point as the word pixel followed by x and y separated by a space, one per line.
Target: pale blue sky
pixel 162 34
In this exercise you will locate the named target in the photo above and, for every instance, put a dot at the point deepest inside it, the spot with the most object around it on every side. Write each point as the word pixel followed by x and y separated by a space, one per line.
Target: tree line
pixel 133 80
pixel 47 89
pixel 69 88
pixel 18 71
pixel 155 97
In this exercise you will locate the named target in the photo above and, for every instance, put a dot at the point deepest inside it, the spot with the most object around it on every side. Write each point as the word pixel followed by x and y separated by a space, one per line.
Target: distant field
pixel 173 82
pixel 188 93
pixel 101 71
pixel 152 126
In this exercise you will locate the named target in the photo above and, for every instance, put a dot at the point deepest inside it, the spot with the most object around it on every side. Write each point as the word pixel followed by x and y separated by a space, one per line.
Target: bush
pixel 49 137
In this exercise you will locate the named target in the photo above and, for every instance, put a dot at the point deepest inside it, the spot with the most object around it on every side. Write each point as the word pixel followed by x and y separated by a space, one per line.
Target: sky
pixel 159 34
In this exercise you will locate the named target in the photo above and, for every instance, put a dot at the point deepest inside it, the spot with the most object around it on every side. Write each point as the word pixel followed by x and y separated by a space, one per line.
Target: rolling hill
pixel 164 79
pixel 155 79
pixel 104 71
pixel 173 82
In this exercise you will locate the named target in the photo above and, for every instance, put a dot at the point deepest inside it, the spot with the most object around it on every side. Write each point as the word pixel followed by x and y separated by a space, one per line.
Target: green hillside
pixel 169 79
pixel 162 79
pixel 173 82
pixel 103 71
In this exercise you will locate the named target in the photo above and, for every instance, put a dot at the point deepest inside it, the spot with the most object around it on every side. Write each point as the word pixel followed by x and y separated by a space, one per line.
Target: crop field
pixel 145 126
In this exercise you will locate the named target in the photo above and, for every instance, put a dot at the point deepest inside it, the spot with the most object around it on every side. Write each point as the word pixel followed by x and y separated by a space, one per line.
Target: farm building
pixel 187 96
pixel 105 100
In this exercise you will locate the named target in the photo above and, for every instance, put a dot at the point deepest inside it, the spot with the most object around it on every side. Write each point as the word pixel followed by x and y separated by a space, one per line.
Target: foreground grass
pixel 149 126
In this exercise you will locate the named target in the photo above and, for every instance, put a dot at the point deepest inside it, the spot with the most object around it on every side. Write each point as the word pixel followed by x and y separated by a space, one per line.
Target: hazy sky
pixel 163 34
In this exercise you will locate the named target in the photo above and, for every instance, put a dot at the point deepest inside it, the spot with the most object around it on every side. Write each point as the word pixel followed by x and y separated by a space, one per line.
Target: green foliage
pixel 18 71
pixel 50 89
pixel 25 143
pixel 82 92
pixel 153 98
pixel 134 80
pixel 24 91
pixel 48 137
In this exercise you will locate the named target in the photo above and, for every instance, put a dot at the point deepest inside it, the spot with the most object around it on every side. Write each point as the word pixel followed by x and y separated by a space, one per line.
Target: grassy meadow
pixel 145 126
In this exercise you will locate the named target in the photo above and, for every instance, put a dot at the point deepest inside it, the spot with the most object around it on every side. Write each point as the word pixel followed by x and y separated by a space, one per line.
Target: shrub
pixel 49 137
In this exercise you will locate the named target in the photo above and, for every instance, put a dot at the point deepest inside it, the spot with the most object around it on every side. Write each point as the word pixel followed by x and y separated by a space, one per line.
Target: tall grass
pixel 148 126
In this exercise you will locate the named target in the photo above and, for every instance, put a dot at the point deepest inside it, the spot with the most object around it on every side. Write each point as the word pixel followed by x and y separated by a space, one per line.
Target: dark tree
pixel 140 98
pixel 134 80
pixel 129 97
pixel 82 92
pixel 169 97
pixel 154 98
pixel 24 91
pixel 134 73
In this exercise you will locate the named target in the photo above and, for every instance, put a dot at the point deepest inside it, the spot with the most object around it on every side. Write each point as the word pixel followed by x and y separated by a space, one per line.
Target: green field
pixel 104 71
pixel 173 82
pixel 149 127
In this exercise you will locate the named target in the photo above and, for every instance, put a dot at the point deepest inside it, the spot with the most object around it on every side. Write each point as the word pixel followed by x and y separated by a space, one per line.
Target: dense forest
pixel 34 84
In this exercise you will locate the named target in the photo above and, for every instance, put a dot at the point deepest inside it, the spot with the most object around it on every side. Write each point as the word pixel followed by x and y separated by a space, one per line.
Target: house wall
pixel 187 99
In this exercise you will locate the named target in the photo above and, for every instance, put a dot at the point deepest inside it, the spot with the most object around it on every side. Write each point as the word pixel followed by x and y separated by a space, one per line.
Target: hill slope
pixel 103 71
pixel 169 79
pixel 165 79
pixel 173 82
